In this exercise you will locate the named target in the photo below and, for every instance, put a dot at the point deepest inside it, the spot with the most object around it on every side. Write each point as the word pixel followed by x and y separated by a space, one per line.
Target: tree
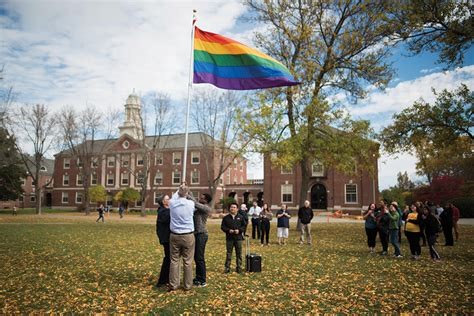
pixel 11 168
pixel 330 47
pixel 126 196
pixel 401 192
pixel 37 127
pixel 441 26
pixel 440 135
pixel 215 117
pixel 79 132
pixel 97 194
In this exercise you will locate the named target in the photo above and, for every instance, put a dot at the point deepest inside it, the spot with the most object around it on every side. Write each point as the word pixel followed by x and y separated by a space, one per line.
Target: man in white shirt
pixel 254 213
pixel 181 238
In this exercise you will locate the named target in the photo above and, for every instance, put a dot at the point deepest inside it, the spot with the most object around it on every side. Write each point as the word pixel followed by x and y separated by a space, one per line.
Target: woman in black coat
pixel 163 232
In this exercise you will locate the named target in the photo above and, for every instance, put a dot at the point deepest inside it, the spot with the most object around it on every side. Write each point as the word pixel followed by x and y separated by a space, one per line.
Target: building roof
pixel 47 164
pixel 167 142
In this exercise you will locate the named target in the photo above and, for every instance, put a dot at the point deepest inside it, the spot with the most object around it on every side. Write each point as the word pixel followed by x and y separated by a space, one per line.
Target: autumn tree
pixel 332 48
pixel 83 137
pixel 445 27
pixel 215 116
pixel 439 135
pixel 127 196
pixel 36 128
pixel 97 193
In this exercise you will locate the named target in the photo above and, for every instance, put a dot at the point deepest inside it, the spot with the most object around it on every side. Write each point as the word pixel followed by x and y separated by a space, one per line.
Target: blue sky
pixel 73 53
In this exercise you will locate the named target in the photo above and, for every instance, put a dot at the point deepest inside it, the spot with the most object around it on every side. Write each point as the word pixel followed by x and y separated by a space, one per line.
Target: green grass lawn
pixel 68 263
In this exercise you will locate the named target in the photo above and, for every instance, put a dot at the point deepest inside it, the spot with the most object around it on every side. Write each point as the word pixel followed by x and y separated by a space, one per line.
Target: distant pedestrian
pixel 456 215
pixel 14 212
pixel 383 227
pixel 432 227
pixel 305 214
pixel 254 214
pixel 233 226
pixel 122 209
pixel 394 228
pixel 413 224
pixel 446 219
pixel 163 232
pixel 283 224
pixel 266 216
pixel 370 227
pixel 100 209
pixel 244 212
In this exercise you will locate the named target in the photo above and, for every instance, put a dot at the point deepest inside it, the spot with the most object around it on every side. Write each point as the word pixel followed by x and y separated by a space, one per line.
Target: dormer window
pixel 43 168
pixel 126 144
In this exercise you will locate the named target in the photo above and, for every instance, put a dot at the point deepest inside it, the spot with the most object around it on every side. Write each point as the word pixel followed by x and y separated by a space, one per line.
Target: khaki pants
pixel 306 232
pixel 181 247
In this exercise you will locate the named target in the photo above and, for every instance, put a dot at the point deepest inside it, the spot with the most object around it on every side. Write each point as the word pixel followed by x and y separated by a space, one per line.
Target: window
pixel 227 180
pixel 241 165
pixel 138 203
pixel 32 198
pixel 125 161
pixel 124 180
pixel 111 161
pixel 317 169
pixel 176 177
pixel 235 163
pixel 94 179
pixel 158 178
pixel 66 163
pixel 66 180
pixel 241 179
pixel 94 163
pixel 79 163
pixel 139 160
pixel 195 177
pixel 176 158
pixel 287 193
pixel 65 198
pixel 159 159
pixel 79 180
pixel 221 182
pixel 351 193
pixel 140 179
pixel 43 168
pixel 78 197
pixel 110 179
pixel 21 198
pixel 285 170
pixel 126 144
pixel 22 181
pixel 195 157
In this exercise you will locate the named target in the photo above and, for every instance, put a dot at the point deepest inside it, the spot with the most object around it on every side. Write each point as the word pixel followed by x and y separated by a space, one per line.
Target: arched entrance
pixel 49 200
pixel 319 197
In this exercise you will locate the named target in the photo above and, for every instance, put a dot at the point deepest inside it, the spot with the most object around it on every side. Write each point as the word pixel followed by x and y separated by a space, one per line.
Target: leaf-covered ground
pixel 68 263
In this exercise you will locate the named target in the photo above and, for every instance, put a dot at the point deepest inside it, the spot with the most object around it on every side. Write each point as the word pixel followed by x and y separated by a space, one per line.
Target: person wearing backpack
pixel 432 228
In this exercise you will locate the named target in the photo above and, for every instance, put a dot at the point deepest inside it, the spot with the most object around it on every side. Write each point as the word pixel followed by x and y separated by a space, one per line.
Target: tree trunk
pixel 37 184
pixel 87 202
pixel 305 173
pixel 38 199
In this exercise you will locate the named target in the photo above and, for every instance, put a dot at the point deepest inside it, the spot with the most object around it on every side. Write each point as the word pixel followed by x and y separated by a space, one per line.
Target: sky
pixel 74 53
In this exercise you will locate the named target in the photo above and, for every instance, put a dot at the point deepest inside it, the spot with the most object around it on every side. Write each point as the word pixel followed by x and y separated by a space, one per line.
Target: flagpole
pixel 190 87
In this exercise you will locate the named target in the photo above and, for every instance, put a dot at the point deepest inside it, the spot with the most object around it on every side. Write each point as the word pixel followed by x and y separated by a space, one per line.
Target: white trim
pixel 356 193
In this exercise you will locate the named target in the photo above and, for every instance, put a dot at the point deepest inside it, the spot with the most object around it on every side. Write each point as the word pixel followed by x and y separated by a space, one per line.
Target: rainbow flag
pixel 228 64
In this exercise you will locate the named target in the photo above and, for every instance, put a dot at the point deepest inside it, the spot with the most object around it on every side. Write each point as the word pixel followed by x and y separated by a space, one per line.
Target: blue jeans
pixel 199 258
pixel 394 241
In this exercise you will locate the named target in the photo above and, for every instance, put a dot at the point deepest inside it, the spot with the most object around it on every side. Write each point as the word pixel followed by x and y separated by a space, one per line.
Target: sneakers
pixel 200 284
pixel 384 253
pixel 398 256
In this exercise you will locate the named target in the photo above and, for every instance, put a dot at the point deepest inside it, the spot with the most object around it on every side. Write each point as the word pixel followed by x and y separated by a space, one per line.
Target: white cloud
pixel 74 52
pixel 406 92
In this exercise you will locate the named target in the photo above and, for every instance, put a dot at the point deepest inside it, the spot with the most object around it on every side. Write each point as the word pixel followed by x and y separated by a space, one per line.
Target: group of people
pixel 419 221
pixel 181 227
pixel 262 216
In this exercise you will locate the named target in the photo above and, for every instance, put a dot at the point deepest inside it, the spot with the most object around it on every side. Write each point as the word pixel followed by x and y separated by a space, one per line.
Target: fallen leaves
pixel 112 268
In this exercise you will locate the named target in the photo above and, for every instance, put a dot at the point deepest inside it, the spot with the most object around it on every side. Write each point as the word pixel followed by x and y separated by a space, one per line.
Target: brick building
pixel 117 163
pixel 329 189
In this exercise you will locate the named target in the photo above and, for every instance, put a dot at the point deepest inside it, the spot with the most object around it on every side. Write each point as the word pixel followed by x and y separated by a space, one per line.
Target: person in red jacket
pixel 456 215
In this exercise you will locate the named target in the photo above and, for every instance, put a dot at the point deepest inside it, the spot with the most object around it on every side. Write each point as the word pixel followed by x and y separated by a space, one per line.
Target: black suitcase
pixel 253 261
